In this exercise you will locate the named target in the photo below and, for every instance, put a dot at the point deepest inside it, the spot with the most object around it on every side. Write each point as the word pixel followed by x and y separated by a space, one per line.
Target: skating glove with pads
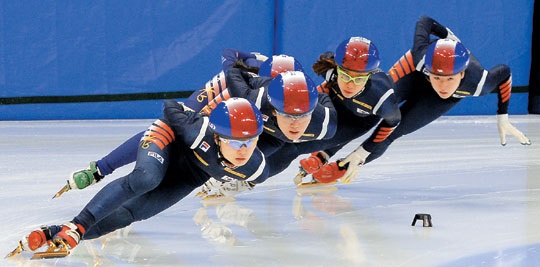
pixel 505 128
pixel 452 36
pixel 215 188
pixel 355 160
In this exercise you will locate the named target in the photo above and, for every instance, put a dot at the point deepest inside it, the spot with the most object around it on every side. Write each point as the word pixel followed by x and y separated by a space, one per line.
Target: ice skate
pixel 82 179
pixel 58 249
pixel 16 251
pixel 314 183
pixel 63 242
pixel 35 240
pixel 311 165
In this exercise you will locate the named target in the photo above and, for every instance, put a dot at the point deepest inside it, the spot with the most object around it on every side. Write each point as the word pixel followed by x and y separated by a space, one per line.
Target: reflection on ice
pixel 484 200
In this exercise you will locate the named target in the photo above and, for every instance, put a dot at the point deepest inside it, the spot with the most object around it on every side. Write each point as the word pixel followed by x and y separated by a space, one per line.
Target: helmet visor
pixel 237 144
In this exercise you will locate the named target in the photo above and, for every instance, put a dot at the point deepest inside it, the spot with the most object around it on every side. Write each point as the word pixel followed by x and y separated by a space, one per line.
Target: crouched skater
pixel 176 155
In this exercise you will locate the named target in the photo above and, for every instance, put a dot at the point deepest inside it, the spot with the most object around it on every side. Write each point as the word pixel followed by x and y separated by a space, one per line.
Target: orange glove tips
pixel 329 173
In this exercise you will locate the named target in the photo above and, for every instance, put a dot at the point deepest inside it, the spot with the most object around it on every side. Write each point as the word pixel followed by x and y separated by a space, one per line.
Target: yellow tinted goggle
pixel 360 80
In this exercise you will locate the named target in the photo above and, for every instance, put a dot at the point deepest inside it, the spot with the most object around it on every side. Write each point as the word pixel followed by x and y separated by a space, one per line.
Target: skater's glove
pixel 314 162
pixel 215 188
pixel 232 188
pixel 212 187
pixel 506 128
pixel 259 57
pixel 253 59
pixel 452 36
pixel 329 173
pixel 355 160
pixel 185 108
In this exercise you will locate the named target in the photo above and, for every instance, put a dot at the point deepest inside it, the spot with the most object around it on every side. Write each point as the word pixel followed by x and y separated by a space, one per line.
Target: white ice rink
pixel 484 200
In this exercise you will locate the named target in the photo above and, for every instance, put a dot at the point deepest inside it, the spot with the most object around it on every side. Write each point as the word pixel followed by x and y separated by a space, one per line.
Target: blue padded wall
pixel 74 48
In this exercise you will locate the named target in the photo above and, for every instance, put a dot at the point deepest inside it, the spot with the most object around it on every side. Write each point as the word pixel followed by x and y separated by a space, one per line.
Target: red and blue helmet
pixel 357 54
pixel 278 64
pixel 446 57
pixel 236 118
pixel 293 93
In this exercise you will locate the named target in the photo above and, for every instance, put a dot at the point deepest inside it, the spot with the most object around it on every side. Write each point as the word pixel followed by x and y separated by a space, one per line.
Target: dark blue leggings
pixel 150 188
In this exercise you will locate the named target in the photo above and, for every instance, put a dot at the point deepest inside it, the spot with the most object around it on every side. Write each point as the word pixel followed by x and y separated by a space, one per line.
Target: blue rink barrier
pixel 148 109
pixel 89 48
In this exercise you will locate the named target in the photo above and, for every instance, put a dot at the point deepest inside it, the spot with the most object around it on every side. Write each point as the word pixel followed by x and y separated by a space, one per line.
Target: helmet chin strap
pixel 221 159
pixel 225 162
pixel 359 92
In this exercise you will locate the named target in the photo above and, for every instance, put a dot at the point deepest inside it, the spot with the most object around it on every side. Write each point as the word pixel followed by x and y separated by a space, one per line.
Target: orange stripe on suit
pixel 402 67
pixel 321 88
pixel 215 86
pixel 383 133
pixel 505 89
pixel 214 102
pixel 159 133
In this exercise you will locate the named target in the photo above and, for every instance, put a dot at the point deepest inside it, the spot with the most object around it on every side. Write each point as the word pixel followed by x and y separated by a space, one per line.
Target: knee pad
pixel 142 180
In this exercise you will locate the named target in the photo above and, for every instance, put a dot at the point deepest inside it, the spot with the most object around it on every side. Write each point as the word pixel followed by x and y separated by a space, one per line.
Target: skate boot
pixel 311 165
pixel 70 235
pixel 36 239
pixel 63 242
pixel 82 179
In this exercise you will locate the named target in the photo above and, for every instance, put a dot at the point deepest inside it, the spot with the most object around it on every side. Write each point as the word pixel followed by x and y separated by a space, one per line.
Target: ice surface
pixel 484 200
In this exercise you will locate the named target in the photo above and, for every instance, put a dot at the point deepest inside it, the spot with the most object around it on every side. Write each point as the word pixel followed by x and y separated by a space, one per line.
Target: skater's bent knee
pixel 143 180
